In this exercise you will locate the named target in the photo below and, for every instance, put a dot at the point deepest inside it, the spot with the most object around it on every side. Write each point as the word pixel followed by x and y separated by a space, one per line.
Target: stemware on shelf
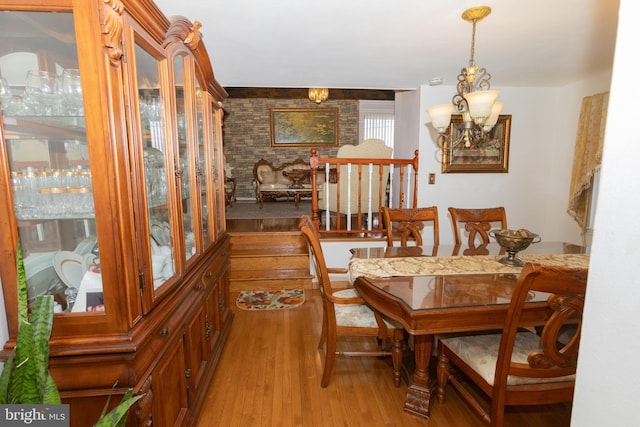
pixel 5 94
pixel 72 92
pixel 43 88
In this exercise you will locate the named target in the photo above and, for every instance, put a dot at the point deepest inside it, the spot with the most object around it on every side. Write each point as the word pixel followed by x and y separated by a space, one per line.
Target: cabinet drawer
pixel 210 277
pixel 215 268
pixel 165 330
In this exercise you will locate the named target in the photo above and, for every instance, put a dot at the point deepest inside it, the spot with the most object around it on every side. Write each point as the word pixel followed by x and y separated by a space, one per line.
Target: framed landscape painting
pixel 304 127
pixel 490 152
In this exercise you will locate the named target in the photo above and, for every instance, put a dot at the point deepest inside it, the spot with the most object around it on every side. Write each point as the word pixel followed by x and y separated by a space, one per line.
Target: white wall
pixel 608 385
pixel 407 113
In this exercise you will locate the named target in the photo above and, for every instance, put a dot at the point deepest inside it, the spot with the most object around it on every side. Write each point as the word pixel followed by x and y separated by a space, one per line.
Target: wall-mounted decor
pixel 304 127
pixel 481 153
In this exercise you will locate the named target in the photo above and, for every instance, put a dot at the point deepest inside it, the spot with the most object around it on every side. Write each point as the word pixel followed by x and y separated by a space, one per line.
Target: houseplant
pixel 25 377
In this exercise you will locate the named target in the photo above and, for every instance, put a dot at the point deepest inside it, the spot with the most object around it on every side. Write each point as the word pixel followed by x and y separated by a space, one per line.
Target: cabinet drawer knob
pixel 198 286
pixel 164 332
pixel 209 274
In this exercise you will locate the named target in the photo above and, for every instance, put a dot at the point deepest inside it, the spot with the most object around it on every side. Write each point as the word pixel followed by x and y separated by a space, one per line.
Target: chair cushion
pixel 357 315
pixel 273 187
pixel 274 177
pixel 480 352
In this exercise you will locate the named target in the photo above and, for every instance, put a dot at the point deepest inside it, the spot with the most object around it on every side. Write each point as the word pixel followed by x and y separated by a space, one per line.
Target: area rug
pixel 270 300
pixel 270 209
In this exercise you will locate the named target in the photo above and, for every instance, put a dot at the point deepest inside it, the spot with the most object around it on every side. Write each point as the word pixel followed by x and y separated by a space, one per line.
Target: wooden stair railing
pixel 398 188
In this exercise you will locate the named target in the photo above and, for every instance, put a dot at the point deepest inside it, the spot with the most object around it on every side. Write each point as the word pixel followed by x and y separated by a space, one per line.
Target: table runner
pixel 448 265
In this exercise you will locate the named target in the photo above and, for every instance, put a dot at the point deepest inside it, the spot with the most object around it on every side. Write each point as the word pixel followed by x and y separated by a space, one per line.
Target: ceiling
pixel 402 44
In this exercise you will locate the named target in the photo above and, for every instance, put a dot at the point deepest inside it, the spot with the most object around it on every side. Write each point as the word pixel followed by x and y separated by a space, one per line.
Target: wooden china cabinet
pixel 111 179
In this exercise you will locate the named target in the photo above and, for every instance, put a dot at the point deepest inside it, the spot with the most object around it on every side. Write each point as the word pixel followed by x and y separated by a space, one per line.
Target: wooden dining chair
pixel 408 223
pixel 345 313
pixel 519 367
pixel 478 223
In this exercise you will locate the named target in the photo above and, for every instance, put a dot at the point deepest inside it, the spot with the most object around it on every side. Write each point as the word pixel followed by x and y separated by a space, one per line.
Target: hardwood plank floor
pixel 269 375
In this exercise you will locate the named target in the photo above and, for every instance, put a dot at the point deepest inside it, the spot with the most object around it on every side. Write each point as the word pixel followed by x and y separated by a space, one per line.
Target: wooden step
pixel 266 284
pixel 263 261
pixel 258 279
pixel 288 273
pixel 263 241
pixel 255 252
pixel 270 262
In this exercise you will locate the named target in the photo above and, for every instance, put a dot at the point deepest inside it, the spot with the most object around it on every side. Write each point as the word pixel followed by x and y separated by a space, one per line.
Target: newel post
pixel 313 165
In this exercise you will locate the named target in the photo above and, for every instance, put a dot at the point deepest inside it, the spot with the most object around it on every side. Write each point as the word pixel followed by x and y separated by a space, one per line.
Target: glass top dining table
pixel 444 289
pixel 446 280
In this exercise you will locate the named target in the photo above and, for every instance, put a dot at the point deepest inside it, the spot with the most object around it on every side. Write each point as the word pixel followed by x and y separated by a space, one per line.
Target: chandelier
pixel 473 99
pixel 318 94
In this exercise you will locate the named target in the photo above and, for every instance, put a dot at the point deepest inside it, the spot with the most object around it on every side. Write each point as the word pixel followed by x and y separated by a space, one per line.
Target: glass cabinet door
pixel 185 156
pixel 203 197
pixel 47 154
pixel 158 172
pixel 217 178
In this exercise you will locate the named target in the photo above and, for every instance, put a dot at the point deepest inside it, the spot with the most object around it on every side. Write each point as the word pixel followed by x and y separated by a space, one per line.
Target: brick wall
pixel 247 135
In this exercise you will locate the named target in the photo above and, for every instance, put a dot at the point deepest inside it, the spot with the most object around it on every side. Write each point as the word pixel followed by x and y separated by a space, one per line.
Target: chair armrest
pixel 338 300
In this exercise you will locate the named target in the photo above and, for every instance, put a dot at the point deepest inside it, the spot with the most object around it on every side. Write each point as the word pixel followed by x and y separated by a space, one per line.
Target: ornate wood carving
pixel 565 310
pixel 111 23
pixel 193 38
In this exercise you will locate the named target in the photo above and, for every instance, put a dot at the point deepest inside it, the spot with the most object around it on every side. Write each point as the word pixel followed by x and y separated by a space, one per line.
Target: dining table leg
pixel 419 391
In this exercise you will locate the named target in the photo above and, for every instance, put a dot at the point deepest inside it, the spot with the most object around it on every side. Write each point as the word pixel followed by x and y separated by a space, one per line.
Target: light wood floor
pixel 269 375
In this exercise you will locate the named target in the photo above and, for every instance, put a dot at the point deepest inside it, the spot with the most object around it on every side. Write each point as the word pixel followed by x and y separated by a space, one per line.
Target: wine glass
pixel 43 88
pixel 5 93
pixel 72 91
pixel 154 108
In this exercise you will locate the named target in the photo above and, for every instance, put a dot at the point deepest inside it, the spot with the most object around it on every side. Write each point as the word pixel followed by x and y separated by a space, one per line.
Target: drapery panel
pixel 587 156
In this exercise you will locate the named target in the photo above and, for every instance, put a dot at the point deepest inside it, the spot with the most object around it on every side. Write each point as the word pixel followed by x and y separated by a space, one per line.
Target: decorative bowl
pixel 514 241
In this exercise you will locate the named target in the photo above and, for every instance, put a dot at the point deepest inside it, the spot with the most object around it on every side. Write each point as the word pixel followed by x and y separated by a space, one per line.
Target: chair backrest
pixel 360 179
pixel 409 223
pixel 567 287
pixel 309 230
pixel 478 223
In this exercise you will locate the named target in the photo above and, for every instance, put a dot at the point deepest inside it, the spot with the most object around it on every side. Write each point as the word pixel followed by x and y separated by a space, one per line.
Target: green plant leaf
pixel 23 309
pixel 41 320
pixel 118 415
pixel 50 394
pixel 23 388
pixel 21 385
pixel 5 378
pixel 25 377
